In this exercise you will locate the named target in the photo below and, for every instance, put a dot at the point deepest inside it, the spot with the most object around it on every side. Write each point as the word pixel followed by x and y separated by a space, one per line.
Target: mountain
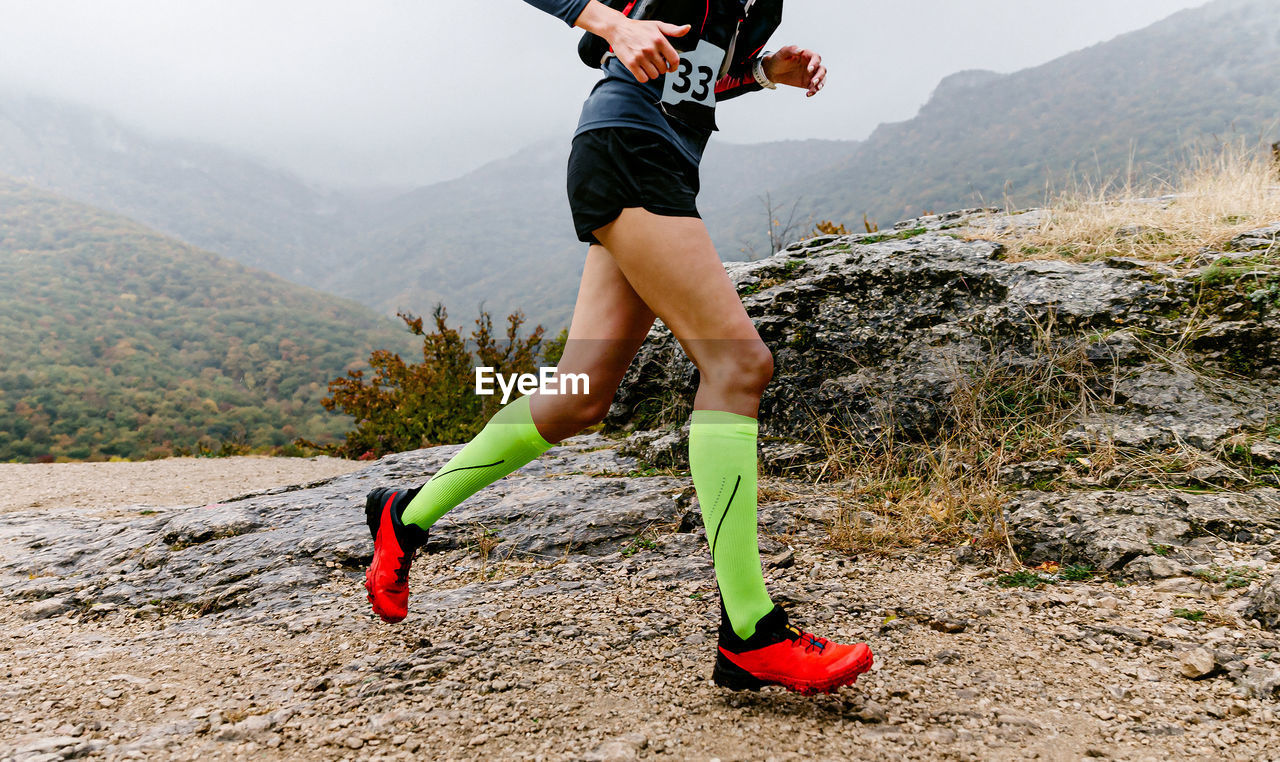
pixel 450 241
pixel 503 234
pixel 210 197
pixel 1199 76
pixel 118 341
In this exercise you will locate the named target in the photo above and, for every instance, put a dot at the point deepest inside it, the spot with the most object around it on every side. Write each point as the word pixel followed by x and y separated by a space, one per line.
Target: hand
pixel 797 67
pixel 643 48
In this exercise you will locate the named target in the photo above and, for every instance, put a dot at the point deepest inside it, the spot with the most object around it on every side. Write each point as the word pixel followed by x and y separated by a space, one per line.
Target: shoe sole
pixel 729 675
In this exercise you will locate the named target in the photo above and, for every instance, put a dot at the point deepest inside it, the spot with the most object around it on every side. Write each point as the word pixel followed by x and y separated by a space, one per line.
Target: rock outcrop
pixel 868 329
pixel 873 335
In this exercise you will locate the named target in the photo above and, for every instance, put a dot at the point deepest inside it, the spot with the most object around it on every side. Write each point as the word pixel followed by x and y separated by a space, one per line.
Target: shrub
pixel 401 406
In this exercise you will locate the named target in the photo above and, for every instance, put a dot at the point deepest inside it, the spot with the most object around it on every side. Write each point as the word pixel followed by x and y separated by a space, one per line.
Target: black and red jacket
pixel 757 20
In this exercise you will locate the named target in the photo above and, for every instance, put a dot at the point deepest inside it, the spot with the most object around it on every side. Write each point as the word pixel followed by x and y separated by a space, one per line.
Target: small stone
pixel 199 713
pixel 1197 663
pixel 45 745
pixel 106 702
pixel 696 639
pixel 940 735
pixel 620 749
pixel 1119 692
pixel 1154 567
pixel 318 684
pixel 354 742
pixel 871 712
pixel 948 625
pixel 1109 602
pixel 49 607
pixel 947 657
pixel 257 723
pixel 783 560
pixel 1259 682
pixel 1181 586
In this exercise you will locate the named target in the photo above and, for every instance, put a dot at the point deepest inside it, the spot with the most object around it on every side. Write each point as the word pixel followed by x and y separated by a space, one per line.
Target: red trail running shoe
pixel 394 545
pixel 779 654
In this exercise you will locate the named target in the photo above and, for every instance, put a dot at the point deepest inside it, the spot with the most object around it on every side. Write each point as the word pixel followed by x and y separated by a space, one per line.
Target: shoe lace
pixel 402 571
pixel 812 642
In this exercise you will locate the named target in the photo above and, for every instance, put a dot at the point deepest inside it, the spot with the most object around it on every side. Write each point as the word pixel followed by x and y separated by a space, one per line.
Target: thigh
pixel 610 322
pixel 673 267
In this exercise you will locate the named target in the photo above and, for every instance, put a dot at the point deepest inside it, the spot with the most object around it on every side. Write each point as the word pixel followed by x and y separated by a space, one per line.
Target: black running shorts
pixel 616 168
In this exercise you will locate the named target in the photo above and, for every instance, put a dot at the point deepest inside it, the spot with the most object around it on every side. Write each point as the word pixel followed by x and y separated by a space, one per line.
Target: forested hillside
pixel 118 341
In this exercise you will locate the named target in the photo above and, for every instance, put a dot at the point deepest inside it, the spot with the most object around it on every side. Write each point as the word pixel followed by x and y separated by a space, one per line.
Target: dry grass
pixel 1214 196
pixel 899 493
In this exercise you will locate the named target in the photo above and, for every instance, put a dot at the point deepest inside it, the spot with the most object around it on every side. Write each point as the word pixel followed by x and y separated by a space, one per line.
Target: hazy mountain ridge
pixel 210 197
pixel 1200 75
pixel 502 235
pixel 118 341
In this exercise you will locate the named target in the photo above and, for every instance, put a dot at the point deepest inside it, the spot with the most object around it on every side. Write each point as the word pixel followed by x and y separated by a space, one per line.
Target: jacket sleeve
pixel 567 11
pixel 740 79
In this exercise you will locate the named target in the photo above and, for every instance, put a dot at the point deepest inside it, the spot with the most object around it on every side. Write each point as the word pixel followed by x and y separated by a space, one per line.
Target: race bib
pixel 695 81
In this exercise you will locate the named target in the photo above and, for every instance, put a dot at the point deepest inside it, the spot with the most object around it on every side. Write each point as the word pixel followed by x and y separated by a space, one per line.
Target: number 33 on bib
pixel 690 92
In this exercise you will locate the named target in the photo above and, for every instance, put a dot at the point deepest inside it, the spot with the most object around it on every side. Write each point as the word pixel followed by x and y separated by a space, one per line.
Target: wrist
pixel 600 20
pixel 760 70
pixel 766 64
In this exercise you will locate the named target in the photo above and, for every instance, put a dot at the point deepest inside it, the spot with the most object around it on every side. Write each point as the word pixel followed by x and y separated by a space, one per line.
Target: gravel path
pixel 608 658
pixel 157 483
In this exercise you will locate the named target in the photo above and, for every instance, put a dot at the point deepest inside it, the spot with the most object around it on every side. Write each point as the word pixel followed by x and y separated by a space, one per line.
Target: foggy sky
pixel 411 91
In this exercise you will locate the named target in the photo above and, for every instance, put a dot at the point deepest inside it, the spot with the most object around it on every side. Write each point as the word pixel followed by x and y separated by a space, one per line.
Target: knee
pixel 746 367
pixel 593 409
pixel 571 415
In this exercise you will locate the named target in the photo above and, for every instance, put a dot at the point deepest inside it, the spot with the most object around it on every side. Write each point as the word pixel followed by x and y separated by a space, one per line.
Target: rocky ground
pixel 576 629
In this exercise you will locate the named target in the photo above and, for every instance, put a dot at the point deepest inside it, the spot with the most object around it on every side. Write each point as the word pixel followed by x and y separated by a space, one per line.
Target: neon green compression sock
pixel 722 460
pixel 508 441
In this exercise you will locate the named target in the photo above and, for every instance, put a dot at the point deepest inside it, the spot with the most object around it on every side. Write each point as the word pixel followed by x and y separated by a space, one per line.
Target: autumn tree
pixel 401 406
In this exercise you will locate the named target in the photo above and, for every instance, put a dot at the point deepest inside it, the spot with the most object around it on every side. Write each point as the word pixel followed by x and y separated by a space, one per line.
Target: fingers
pixel 643 69
pixel 650 69
pixel 668 58
pixel 815 61
pixel 819 80
pixel 646 51
pixel 815 73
